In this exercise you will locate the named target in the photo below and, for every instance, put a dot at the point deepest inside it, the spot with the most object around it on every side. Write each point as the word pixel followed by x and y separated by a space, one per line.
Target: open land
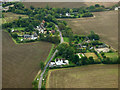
pixel 9 17
pixel 91 54
pixel 66 4
pixel 105 24
pixel 20 62
pixel 91 76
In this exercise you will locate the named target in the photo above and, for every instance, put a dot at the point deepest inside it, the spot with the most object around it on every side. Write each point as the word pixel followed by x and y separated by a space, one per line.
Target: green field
pixel 90 76
pixel 111 55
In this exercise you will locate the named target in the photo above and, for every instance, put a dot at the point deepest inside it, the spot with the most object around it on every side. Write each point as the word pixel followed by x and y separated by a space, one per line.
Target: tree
pixel 42 65
pixel 31 7
pixel 102 54
pixel 65 50
pixel 14 35
pixel 61 26
pixel 97 5
pixel 9 30
pixel 30 27
pixel 84 60
pixel 76 59
pixel 91 60
pixel 53 27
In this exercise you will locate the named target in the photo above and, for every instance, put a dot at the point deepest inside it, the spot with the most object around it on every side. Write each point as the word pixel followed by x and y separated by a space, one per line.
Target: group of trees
pixel 49 38
pixel 96 8
pixel 68 52
pixel 94 36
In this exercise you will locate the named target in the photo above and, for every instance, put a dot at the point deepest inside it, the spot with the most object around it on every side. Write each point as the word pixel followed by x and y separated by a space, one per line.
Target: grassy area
pixel 90 76
pixel 23 59
pixel 111 55
pixel 91 54
pixel 50 54
pixel 9 17
pixel 19 28
pixel 66 39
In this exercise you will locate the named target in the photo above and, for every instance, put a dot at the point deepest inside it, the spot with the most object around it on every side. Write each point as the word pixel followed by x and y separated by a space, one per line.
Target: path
pixel 41 77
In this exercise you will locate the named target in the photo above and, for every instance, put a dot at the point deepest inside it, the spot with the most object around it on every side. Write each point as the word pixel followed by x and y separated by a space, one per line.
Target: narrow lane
pixel 41 76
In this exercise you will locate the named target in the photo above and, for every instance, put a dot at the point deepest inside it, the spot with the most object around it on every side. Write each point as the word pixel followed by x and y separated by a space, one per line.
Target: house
pixel 21 39
pixel 12 30
pixel 68 14
pixel 117 8
pixel 58 62
pixel 53 31
pixel 34 36
pixel 26 36
pixel 99 50
pixel 60 14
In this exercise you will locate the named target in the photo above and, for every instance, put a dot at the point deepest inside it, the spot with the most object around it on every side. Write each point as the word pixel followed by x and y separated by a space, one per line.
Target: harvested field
pixel 20 62
pixel 66 4
pixel 104 23
pixel 91 54
pixel 91 76
pixel 9 17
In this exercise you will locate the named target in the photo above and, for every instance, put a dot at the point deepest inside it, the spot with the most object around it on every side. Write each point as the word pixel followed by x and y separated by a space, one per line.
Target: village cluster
pixel 22 35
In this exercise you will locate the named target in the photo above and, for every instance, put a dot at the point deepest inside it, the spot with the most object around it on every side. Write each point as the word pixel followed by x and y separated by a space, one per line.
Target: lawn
pixel 20 62
pixel 19 28
pixel 91 54
pixel 111 55
pixel 66 39
pixel 90 76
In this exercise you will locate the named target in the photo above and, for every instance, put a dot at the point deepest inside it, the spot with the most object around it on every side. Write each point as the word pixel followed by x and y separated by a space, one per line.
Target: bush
pixel 15 35
pixel 42 65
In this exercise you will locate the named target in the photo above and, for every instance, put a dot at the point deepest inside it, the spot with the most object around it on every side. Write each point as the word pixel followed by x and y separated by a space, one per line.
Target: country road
pixel 41 77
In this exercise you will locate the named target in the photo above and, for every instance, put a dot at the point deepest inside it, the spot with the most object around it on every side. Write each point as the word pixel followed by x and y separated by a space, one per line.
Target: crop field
pixel 66 4
pixel 91 54
pixel 20 62
pixel 91 76
pixel 104 23
pixel 8 17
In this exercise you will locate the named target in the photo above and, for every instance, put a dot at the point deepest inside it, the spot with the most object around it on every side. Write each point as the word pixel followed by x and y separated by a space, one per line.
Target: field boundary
pixel 50 53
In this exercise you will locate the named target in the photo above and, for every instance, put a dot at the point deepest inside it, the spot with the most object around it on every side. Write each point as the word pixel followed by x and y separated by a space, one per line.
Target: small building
pixel 68 14
pixel 12 30
pixel 58 62
pixel 117 8
pixel 26 36
pixel 105 50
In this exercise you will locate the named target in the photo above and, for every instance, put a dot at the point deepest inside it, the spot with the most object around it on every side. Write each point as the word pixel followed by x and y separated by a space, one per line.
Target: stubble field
pixel 20 62
pixel 91 76
pixel 66 4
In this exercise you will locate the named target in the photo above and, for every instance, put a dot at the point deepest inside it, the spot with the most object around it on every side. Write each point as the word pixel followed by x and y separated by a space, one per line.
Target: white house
pixel 59 62
pixel 68 14
pixel 116 8
pixel 12 30
pixel 33 37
